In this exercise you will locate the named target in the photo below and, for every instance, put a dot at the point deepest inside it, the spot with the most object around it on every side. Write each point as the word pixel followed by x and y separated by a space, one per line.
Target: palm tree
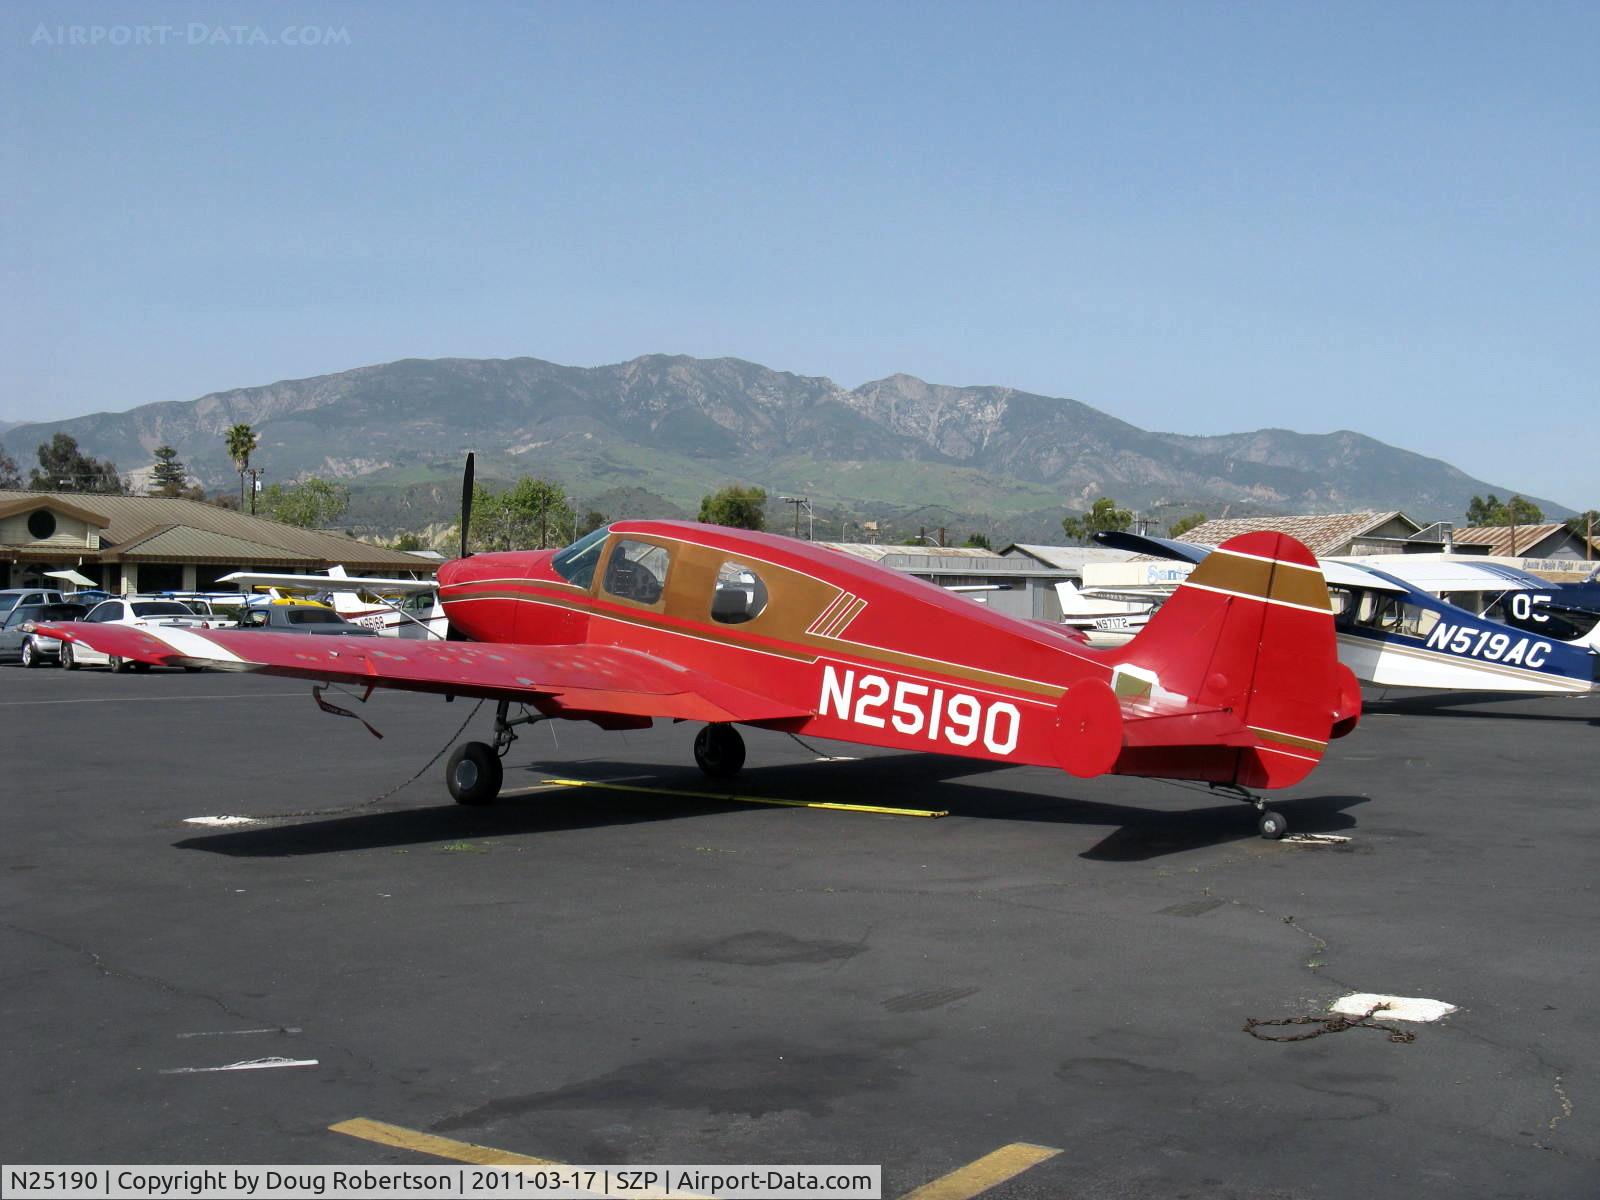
pixel 241 440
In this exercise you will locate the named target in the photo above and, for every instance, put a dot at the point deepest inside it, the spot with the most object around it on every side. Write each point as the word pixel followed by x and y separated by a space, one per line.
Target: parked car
pixel 22 608
pixel 10 598
pixel 129 610
pixel 301 618
pixel 32 647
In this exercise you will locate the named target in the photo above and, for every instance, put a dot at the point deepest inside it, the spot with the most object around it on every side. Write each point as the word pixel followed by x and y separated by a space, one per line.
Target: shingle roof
pixel 1322 534
pixel 133 520
pixel 1498 537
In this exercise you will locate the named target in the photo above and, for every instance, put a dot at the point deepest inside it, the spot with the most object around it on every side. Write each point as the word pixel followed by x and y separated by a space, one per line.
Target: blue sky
pixel 1196 217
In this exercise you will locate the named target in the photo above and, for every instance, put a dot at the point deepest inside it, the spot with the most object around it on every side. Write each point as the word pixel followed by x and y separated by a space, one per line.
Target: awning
pixel 73 577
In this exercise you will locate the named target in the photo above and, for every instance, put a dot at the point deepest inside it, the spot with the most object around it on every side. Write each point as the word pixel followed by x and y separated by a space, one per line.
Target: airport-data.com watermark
pixel 194 33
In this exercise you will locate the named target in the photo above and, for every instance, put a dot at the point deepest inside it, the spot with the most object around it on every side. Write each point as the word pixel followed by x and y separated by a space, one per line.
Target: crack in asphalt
pixel 99 964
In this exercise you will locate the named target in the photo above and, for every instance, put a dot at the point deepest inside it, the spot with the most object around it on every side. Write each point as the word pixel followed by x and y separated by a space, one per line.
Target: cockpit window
pixel 576 563
pixel 637 571
pixel 740 595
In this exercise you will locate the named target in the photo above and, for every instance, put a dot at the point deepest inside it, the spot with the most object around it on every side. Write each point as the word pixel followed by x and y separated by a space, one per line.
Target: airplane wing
pixel 582 682
pixel 327 583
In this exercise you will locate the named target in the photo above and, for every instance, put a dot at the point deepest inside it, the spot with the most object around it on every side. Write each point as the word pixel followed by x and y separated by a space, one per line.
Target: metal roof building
pixel 1549 540
pixel 1019 581
pixel 148 543
pixel 1331 535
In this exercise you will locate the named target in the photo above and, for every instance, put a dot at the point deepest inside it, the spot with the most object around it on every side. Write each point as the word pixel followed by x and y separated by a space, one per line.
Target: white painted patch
pixel 241 1032
pixel 220 821
pixel 1400 1008
pixel 193 644
pixel 252 1064
pixel 1315 839
pixel 837 758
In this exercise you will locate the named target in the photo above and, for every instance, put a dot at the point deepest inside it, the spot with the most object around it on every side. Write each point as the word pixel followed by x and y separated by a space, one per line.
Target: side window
pixel 636 571
pixel 739 596
pixel 109 611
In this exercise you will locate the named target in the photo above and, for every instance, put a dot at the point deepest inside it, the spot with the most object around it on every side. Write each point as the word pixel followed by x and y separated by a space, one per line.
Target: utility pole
pixel 255 474
pixel 800 502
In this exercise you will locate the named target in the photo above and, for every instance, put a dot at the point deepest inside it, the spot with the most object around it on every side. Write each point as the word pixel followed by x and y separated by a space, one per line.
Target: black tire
pixel 474 773
pixel 1272 825
pixel 117 665
pixel 30 656
pixel 141 667
pixel 69 661
pixel 719 751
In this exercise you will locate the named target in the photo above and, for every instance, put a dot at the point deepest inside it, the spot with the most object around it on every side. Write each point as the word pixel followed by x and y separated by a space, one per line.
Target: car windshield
pixel 576 563
pixel 160 608
pixel 7 603
pixel 312 616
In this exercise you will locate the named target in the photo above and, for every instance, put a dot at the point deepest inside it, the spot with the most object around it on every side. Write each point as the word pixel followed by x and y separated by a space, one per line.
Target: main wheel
pixel 474 773
pixel 1272 825
pixel 719 751
pixel 69 661
pixel 30 656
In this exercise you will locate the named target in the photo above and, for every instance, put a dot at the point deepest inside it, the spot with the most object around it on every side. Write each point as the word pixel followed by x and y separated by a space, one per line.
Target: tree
pixel 64 468
pixel 531 514
pixel 169 478
pixel 737 506
pixel 1103 515
pixel 409 541
pixel 591 521
pixel 240 440
pixel 311 504
pixel 978 541
pixel 1516 511
pixel 9 476
pixel 1183 524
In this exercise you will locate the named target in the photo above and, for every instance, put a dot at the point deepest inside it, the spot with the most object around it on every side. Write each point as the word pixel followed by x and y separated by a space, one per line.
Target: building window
pixel 739 596
pixel 41 523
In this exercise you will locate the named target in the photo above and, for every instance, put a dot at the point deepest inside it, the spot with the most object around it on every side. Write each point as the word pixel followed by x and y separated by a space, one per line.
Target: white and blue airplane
pixel 1394 633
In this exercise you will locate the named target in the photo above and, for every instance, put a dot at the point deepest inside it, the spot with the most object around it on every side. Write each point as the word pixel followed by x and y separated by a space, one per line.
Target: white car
pixel 129 610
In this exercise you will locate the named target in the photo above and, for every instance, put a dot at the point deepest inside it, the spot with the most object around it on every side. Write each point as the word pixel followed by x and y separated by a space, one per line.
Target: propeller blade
pixel 466 501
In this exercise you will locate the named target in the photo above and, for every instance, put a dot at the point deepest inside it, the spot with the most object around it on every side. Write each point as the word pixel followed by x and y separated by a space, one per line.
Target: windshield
pixel 160 608
pixel 576 563
pixel 312 616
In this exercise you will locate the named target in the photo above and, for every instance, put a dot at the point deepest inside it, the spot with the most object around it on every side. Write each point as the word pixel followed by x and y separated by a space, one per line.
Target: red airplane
pixel 1235 681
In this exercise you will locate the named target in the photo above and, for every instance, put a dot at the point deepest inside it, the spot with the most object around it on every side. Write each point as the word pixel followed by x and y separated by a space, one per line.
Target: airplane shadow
pixel 922 781
pixel 1461 704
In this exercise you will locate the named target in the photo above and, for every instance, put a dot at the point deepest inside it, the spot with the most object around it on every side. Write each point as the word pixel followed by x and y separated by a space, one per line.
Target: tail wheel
pixel 117 665
pixel 1272 825
pixel 474 773
pixel 719 751
pixel 68 660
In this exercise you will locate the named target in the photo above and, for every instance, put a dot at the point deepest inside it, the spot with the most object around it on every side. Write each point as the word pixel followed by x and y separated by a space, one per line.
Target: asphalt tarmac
pixel 599 976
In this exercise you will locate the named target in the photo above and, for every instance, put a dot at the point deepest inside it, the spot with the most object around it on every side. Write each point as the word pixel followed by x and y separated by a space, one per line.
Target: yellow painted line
pixel 989 1171
pixel 730 798
pixel 974 1179
pixel 439 1147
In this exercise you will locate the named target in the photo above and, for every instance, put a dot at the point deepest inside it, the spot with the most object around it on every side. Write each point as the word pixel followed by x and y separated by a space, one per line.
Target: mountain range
pixel 652 435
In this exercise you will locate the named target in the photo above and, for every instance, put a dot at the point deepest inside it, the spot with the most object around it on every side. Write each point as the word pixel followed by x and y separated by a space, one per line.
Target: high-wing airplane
pixel 1235 682
pixel 1394 633
pixel 406 608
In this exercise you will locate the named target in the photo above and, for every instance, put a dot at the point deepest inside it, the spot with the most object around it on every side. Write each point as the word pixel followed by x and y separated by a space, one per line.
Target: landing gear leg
pixel 1270 822
pixel 719 751
pixel 474 773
